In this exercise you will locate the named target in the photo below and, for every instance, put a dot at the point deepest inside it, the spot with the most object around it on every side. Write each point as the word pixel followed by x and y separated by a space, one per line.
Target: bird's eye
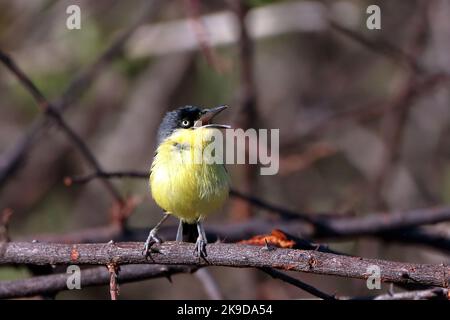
pixel 185 123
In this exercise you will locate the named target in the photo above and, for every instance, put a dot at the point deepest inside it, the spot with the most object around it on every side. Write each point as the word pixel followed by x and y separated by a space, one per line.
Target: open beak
pixel 208 115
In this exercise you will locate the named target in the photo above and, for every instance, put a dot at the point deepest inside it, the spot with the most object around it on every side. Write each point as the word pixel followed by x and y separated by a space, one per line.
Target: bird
pixel 189 190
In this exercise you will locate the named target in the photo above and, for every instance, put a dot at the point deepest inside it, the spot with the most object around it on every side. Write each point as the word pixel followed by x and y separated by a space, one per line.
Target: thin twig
pixel 376 109
pixel 395 121
pixel 110 175
pixel 193 10
pixel 210 284
pixel 382 47
pixel 5 217
pixel 113 270
pixel 297 283
pixel 248 115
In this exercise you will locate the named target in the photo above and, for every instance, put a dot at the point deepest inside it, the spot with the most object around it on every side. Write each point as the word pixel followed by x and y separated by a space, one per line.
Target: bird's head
pixel 188 118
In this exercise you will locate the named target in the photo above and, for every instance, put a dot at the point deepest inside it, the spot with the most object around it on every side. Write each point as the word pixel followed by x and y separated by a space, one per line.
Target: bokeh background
pixel 363 129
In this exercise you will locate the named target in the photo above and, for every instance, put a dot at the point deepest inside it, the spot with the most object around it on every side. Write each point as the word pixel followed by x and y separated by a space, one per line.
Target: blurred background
pixel 363 117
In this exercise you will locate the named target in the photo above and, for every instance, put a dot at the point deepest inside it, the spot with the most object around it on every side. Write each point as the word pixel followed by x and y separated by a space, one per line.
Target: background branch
pixel 95 276
pixel 428 294
pixel 73 92
pixel 297 283
pixel 52 112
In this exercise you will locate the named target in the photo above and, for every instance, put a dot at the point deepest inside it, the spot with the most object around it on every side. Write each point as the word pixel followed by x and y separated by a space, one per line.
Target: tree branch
pixel 230 255
pixel 52 112
pixel 95 276
pixel 297 283
pixel 402 227
pixel 113 270
pixel 17 153
pixel 381 47
pixel 428 294
pixel 326 224
pixel 209 284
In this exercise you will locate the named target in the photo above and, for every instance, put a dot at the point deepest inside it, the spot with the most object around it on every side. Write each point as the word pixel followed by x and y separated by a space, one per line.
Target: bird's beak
pixel 208 115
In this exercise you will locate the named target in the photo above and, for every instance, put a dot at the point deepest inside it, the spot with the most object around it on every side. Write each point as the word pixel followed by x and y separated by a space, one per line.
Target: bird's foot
pixel 151 240
pixel 200 248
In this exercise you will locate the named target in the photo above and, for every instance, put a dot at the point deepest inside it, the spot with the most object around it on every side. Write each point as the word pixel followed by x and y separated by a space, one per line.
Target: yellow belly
pixel 183 188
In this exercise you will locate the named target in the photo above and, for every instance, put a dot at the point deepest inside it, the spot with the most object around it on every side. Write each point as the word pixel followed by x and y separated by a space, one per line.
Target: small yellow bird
pixel 180 184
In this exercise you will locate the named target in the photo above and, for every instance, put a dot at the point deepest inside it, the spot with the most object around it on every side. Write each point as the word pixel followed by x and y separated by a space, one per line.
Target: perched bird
pixel 181 186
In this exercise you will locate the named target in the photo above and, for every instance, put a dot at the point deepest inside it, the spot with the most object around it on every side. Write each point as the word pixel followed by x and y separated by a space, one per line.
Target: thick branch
pixel 389 221
pixel 231 255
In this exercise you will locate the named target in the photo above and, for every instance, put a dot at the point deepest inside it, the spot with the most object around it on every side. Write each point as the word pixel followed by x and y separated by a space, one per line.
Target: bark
pixel 230 255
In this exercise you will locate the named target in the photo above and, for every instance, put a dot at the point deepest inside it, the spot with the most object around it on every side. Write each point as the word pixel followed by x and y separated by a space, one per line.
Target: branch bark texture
pixel 230 255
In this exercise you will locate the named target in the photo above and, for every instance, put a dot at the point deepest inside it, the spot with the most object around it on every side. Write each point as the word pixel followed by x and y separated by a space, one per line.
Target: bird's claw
pixel 151 240
pixel 200 248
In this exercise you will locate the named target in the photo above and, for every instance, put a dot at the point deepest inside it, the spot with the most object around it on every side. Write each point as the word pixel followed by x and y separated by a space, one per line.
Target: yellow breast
pixel 181 183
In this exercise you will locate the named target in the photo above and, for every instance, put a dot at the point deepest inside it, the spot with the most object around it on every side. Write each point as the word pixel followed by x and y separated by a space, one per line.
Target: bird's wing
pixel 153 163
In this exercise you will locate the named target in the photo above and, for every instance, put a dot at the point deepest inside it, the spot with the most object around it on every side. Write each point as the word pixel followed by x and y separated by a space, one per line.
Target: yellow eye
pixel 185 123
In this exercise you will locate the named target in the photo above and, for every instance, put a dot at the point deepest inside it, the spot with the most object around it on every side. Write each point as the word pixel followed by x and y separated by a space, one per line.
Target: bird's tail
pixel 190 232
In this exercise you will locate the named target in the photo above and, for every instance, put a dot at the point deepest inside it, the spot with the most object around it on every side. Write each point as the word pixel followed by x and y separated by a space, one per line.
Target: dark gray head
pixel 187 117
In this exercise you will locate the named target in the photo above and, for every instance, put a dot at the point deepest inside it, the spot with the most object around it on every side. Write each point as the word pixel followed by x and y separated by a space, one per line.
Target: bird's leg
pixel 152 236
pixel 180 232
pixel 200 245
